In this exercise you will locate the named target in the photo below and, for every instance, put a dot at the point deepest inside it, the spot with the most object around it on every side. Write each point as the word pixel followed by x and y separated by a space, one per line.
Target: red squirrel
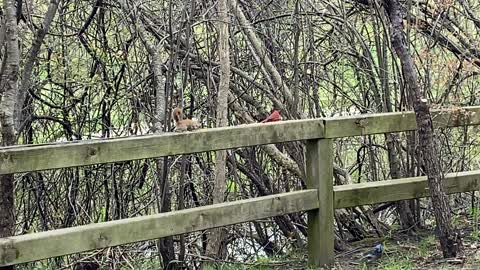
pixel 183 124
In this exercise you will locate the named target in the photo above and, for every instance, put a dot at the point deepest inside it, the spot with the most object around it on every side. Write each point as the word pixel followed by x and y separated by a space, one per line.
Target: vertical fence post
pixel 319 168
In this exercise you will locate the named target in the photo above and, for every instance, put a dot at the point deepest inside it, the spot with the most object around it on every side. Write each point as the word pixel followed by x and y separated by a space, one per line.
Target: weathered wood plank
pixel 51 156
pixel 319 169
pixel 401 189
pixel 36 246
pixel 356 125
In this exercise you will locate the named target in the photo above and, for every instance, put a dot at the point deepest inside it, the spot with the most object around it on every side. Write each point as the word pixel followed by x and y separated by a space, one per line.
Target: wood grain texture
pixel 36 246
pixel 60 155
pixel 357 125
pixel 401 189
pixel 319 169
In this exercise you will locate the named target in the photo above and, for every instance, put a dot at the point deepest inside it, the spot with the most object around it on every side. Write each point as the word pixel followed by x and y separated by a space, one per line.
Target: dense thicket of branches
pixel 102 69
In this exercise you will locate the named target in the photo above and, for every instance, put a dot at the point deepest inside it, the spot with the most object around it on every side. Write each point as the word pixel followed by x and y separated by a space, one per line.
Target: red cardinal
pixel 273 117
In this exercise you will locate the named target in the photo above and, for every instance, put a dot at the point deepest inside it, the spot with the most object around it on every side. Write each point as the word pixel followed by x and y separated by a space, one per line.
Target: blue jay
pixel 374 254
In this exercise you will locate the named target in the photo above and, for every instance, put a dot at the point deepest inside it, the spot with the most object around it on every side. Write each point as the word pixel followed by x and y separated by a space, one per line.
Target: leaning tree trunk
pixel 165 245
pixel 215 246
pixel 258 48
pixel 30 61
pixel 8 93
pixel 450 240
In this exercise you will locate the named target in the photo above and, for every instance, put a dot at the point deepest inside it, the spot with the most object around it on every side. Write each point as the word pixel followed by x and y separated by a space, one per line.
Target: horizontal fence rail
pixel 401 189
pixel 68 154
pixel 26 158
pixel 366 124
pixel 36 246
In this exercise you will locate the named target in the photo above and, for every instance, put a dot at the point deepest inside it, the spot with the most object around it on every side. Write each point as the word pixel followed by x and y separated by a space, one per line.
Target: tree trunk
pixel 9 90
pixel 215 246
pixel 403 208
pixel 30 62
pixel 258 48
pixel 165 245
pixel 450 240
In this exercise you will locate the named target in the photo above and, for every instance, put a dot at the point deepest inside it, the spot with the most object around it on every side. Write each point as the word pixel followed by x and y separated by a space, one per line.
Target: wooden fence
pixel 320 199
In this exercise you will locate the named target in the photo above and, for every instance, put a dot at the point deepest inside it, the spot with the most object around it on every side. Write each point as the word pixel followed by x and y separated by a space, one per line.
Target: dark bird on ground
pixel 373 255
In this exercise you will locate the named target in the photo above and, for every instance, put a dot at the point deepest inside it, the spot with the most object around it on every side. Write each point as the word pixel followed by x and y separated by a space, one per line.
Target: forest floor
pixel 416 250
pixel 419 250
pixel 402 251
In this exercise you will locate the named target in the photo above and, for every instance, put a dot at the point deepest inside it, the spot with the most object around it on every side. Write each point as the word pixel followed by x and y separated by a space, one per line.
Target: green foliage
pixel 36 267
pixel 474 213
pixel 457 220
pixel 104 214
pixel 426 245
pixel 475 235
pixel 153 263
pixel 394 263
pixel 232 186
pixel 234 267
